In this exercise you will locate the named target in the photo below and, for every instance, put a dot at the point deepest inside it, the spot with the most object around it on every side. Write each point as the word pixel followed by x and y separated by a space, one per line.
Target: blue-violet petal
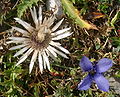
pixel 101 82
pixel 85 83
pixel 103 65
pixel 85 64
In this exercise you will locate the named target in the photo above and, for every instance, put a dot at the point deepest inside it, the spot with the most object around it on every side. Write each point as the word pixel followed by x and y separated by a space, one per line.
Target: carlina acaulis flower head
pixel 40 40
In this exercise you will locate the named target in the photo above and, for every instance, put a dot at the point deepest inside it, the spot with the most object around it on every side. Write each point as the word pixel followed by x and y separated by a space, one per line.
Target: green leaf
pixel 115 18
pixel 24 5
pixel 73 1
pixel 37 91
pixel 72 12
pixel 2 17
pixel 116 41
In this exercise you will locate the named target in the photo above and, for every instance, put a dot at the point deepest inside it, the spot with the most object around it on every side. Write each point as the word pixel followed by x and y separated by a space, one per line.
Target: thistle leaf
pixel 24 5
pixel 72 12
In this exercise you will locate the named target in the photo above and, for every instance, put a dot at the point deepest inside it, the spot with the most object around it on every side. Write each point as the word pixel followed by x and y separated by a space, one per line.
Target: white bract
pixel 39 40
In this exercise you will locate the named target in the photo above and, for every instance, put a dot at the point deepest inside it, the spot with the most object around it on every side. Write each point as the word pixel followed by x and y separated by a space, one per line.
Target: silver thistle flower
pixel 41 40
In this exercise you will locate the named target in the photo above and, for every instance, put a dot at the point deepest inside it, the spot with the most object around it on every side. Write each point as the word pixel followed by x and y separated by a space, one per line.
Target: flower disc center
pixel 40 39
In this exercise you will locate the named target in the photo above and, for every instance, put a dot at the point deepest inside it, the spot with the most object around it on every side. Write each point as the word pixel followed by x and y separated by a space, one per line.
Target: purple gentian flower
pixel 95 73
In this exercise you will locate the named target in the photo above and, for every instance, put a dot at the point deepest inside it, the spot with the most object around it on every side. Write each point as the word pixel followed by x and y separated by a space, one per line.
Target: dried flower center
pixel 40 39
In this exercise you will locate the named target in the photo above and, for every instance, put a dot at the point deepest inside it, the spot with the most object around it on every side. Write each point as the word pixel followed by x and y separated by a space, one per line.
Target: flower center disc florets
pixel 41 38
pixel 93 71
